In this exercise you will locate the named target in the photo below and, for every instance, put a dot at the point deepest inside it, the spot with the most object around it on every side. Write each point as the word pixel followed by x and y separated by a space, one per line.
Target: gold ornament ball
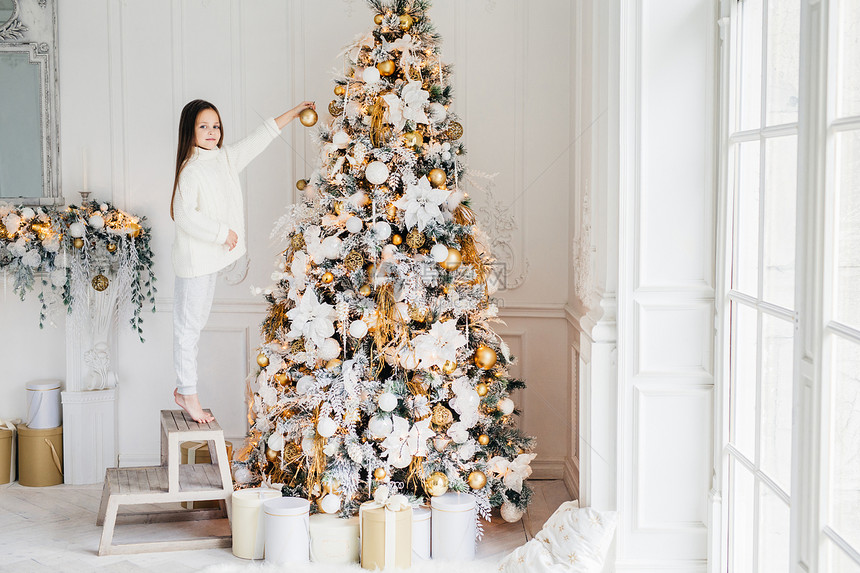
pixel 482 389
pixel 449 367
pixel 332 364
pixel 297 241
pixel 301 184
pixel 353 261
pixel 262 360
pixel 406 22
pixel 327 278
pixel 297 346
pixel 437 177
pixel 453 261
pixel 396 239
pixel 364 290
pixel 436 484
pixel 79 243
pixel 415 238
pixel 111 247
pixel 391 211
pixel 483 439
pixel 413 138
pixel 455 130
pixel 135 229
pixel 308 117
pixel 379 474
pixel 339 90
pixel 378 19
pixel 386 68
pixel 334 108
pixel 271 454
pixel 281 378
pixel 442 417
pixel 100 282
pixel 477 479
pixel 485 357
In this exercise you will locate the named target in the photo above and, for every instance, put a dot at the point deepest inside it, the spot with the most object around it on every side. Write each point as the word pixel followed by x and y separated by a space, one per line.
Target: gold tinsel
pixel 386 327
pixel 469 255
pixel 377 126
pixel 464 215
pixel 415 477
pixel 316 467
pixel 275 321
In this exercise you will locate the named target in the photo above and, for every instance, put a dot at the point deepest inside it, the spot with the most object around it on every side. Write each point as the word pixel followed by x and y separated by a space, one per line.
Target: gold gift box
pixel 373 537
pixel 40 456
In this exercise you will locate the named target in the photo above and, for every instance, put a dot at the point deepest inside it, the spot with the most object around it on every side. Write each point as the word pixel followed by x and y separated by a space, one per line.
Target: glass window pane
pixel 777 368
pixel 746 269
pixel 773 533
pixel 741 519
pixel 749 61
pixel 839 560
pixel 780 199
pixel 743 390
pixel 848 58
pixel 783 60
pixel 845 442
pixel 848 221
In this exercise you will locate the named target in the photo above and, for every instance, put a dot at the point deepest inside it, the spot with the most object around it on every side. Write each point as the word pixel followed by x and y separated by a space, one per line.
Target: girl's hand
pixel 289 116
pixel 232 240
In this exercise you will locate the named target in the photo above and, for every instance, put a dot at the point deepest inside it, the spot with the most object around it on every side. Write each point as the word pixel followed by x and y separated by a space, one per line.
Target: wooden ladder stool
pixel 169 482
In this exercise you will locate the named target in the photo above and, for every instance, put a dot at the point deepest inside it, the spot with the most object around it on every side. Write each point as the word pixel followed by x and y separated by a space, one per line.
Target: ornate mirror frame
pixel 32 30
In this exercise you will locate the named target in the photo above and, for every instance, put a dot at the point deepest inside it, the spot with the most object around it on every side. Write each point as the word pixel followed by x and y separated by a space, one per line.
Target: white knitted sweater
pixel 208 204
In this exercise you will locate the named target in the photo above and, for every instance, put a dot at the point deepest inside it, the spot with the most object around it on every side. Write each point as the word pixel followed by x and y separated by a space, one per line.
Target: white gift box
pixel 453 526
pixel 247 523
pixel 287 530
pixel 43 404
pixel 420 533
pixel 333 539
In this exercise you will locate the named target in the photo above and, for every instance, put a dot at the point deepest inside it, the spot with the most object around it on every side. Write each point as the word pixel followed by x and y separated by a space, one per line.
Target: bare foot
pixel 191 404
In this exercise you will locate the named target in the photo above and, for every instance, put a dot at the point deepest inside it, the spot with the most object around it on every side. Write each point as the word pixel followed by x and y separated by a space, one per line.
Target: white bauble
pixel 437 112
pixel 308 445
pixel 304 384
pixel 329 349
pixel 387 401
pixel 510 513
pixel 276 442
pixel 506 406
pixel 340 139
pixel 382 230
pixel 376 172
pixel 27 213
pixel 242 475
pixel 354 224
pixel 326 427
pixel 439 252
pixel 370 74
pixel 408 360
pixel 454 199
pixel 469 400
pixel 358 329
pixel 76 230
pixel 401 311
pixel 446 156
pixel 331 247
pixel 380 427
pixel 330 503
pixel 388 251
pixel 96 221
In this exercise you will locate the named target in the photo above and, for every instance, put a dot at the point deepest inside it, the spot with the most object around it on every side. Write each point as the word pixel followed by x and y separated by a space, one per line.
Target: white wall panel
pixel 673 339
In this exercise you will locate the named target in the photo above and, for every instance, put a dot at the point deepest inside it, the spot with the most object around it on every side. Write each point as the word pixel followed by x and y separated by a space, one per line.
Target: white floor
pixel 53 530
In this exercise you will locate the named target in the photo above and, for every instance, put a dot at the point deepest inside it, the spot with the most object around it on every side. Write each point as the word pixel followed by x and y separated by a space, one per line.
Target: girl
pixel 210 227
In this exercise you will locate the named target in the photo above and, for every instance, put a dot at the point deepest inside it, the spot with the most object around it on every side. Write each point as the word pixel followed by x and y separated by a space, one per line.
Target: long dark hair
pixel 187 126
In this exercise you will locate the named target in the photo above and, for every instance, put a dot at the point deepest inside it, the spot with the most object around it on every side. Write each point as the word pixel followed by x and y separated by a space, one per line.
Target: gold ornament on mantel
pixel 449 367
pixel 281 378
pixel 297 241
pixel 297 346
pixel 485 357
pixel 396 239
pixel 442 417
pixel 100 282
pixel 386 68
pixel 308 117
pixel 391 211
pixel 413 138
pixel 477 479
pixel 364 290
pixel 327 278
pixel 437 177
pixel 455 130
pixel 436 484
pixel 415 239
pixel 262 360
pixel 353 261
pixel 482 389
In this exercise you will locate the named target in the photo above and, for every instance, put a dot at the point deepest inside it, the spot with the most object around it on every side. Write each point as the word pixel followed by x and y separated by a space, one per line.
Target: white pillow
pixel 573 540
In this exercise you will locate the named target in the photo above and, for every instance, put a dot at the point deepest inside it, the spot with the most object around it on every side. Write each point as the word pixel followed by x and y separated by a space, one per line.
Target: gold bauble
pixel 40 230
pixel 418 313
pixel 327 278
pixel 396 239
pixel 339 90
pixel 271 454
pixel 334 108
pixel 455 130
pixel 364 290
pixel 406 22
pixel 483 439
pixel 449 367
pixel 308 117
pixel 482 389
pixel 332 364
pixel 453 261
pixel 297 346
pixel 437 177
pixel 442 417
pixel 413 138
pixel 377 19
pixel 301 184
pixel 386 68
pixel 135 229
pixel 297 241
pixel 100 282
pixel 281 378
pixel 415 238
pixel 79 243
pixel 436 484
pixel 379 474
pixel 111 247
pixel 477 479
pixel 391 211
pixel 353 261
pixel 485 357
pixel 338 208
pixel 262 360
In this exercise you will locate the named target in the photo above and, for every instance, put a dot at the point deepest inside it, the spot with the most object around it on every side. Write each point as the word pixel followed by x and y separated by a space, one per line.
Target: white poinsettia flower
pixel 421 203
pixel 313 243
pixel 512 472
pixel 394 113
pixel 312 319
pixel 458 432
pixel 299 269
pixel 414 98
pixel 439 345
pixel 394 445
pixel 381 494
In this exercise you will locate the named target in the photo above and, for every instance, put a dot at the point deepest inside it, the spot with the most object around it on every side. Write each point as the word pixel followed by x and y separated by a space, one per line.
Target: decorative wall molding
pixel 583 252
pixel 499 222
pixel 236 272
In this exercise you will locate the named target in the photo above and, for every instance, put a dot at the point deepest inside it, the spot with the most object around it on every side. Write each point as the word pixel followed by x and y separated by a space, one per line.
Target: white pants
pixel 192 300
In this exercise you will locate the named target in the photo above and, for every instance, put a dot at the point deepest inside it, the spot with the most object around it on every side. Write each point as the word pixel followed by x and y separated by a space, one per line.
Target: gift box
pixel 334 539
pixel 247 523
pixel 40 456
pixel 8 441
pixel 421 533
pixel 287 535
pixel 198 453
pixel 386 536
pixel 453 526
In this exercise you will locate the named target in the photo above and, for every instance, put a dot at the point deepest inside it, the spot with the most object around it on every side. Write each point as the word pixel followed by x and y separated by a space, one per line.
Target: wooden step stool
pixel 170 482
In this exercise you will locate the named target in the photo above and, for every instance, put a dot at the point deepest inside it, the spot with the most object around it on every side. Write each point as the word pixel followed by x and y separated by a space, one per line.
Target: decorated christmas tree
pixel 378 362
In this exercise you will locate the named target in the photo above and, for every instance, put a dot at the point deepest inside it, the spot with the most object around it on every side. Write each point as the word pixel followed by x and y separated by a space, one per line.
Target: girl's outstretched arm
pixel 285 118
pixel 244 151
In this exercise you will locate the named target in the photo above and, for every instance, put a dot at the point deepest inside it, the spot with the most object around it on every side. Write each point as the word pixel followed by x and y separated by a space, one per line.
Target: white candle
pixel 84 168
pixel 453 526
pixel 247 522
